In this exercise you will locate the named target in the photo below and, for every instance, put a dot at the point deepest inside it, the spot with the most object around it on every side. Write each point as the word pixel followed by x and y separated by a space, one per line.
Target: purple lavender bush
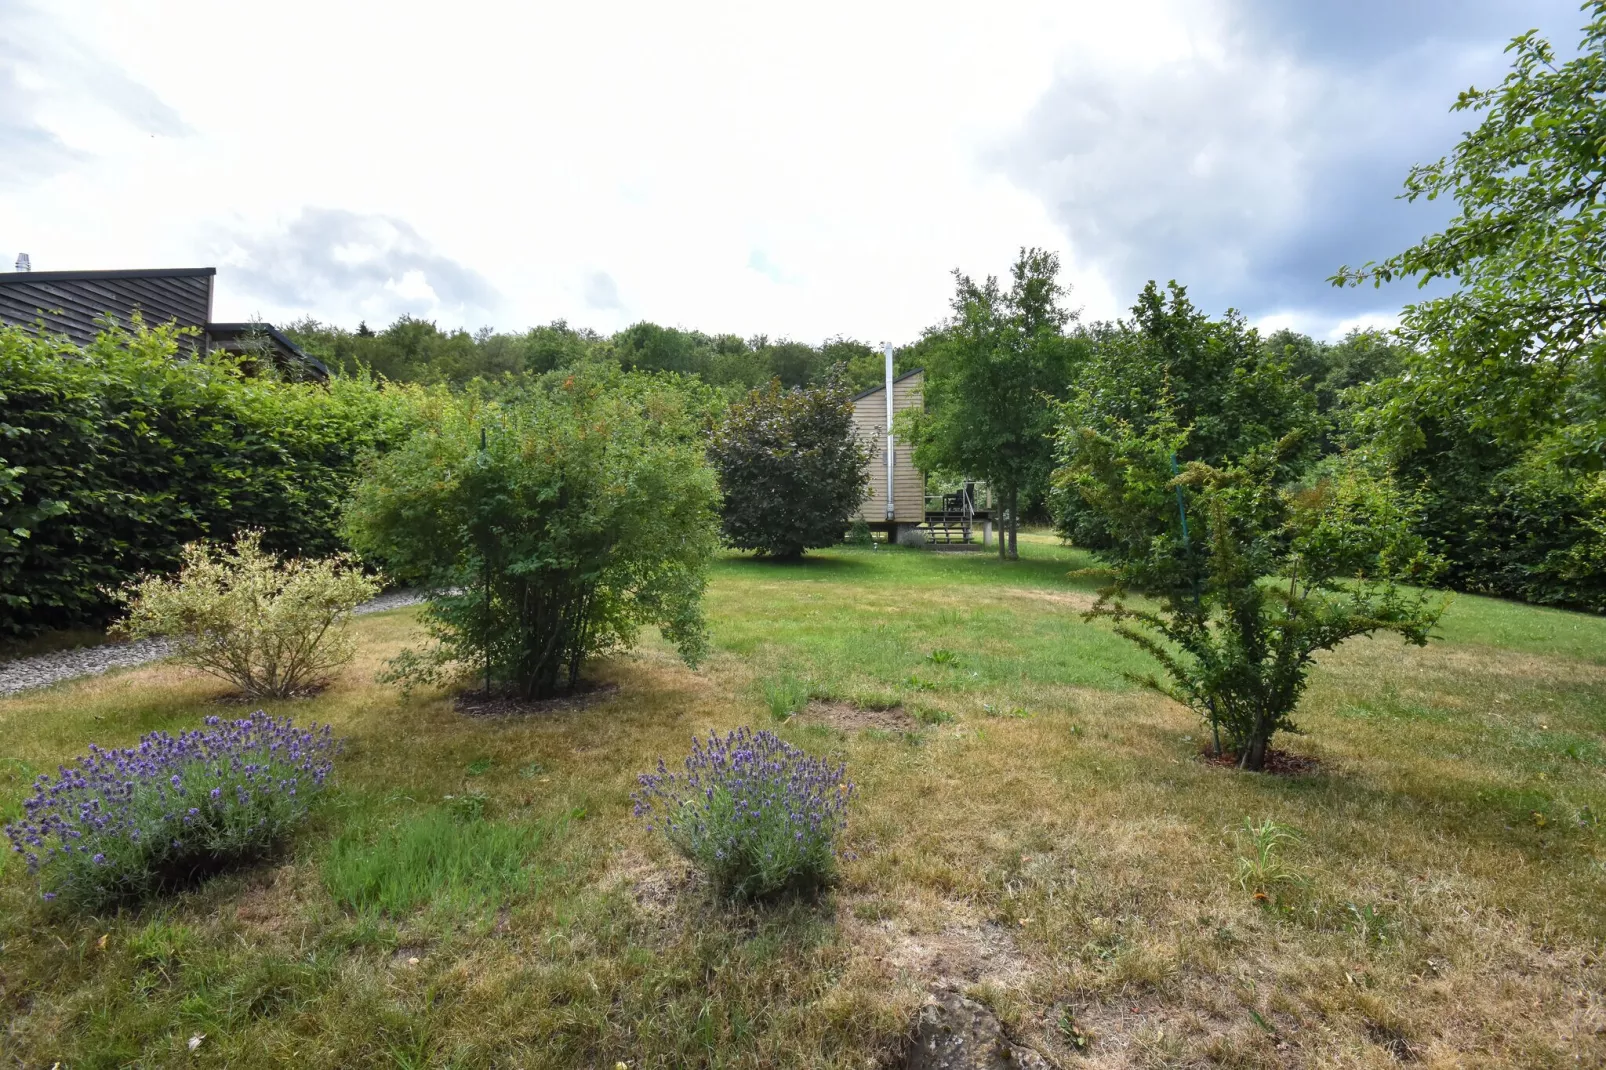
pixel 757 815
pixel 118 825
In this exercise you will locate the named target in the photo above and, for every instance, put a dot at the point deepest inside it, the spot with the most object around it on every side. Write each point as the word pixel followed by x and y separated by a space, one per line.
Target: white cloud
pixel 328 257
pixel 801 171
pixel 601 292
pixel 530 143
pixel 1374 321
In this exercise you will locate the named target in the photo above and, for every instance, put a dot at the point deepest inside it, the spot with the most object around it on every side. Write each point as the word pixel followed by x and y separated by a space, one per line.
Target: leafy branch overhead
pixel 1527 249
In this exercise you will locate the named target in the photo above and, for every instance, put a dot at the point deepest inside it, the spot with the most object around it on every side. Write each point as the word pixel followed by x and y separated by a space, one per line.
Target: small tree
pixel 993 373
pixel 549 529
pixel 1170 365
pixel 270 627
pixel 1251 578
pixel 791 468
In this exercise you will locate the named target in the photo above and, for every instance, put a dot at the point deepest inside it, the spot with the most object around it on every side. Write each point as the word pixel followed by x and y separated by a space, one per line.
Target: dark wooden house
pixel 75 304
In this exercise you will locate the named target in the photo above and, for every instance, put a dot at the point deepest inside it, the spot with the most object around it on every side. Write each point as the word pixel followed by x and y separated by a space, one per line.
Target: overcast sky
pixel 735 167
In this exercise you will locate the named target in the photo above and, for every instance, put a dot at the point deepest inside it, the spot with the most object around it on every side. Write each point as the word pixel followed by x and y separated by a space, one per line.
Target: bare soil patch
pixel 500 704
pixel 850 718
pixel 656 888
pixel 1278 762
pixel 266 906
pixel 965 950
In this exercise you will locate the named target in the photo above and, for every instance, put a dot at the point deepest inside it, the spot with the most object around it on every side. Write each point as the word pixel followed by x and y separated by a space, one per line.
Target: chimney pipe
pixel 23 264
pixel 892 511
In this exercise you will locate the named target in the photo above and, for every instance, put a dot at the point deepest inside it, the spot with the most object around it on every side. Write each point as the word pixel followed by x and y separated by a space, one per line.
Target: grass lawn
pixel 474 892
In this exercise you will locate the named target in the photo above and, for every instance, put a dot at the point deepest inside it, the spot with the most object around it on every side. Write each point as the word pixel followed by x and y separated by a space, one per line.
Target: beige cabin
pixel 908 483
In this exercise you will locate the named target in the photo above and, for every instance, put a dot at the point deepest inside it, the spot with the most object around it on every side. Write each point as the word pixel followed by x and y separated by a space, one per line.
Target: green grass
pixel 474 892
pixel 784 694
pixel 450 862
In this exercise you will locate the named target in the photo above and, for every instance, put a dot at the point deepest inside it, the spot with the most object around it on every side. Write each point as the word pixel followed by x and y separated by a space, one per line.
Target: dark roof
pixel 74 303
pixel 883 386
pixel 8 278
pixel 223 334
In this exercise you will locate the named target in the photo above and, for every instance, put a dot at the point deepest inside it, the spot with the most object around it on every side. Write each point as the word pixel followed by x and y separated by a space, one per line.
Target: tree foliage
pixel 1171 367
pixel 1500 409
pixel 993 372
pixel 1332 370
pixel 1523 332
pixel 415 350
pixel 791 468
pixel 549 527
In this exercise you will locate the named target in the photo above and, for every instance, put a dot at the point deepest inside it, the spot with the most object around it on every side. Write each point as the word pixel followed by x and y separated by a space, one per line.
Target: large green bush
pixel 115 455
pixel 791 469
pixel 550 526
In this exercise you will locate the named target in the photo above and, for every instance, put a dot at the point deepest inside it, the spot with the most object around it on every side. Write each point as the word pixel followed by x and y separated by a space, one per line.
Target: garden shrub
pixel 790 467
pixel 550 527
pixel 119 825
pixel 115 455
pixel 757 815
pixel 1248 578
pixel 270 627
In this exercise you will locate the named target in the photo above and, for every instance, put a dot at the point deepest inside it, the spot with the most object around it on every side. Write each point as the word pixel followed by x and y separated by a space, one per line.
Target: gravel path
pixel 23 674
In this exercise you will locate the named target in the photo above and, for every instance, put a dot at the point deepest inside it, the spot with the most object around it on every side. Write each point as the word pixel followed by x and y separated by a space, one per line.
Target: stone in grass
pixel 955 1033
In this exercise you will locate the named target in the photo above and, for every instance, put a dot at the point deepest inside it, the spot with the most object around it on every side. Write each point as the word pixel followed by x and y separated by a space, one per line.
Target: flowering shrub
pixel 270 627
pixel 758 815
pixel 121 824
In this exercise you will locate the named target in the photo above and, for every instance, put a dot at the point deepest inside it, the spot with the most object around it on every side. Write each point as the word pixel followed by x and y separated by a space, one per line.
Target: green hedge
pixel 114 455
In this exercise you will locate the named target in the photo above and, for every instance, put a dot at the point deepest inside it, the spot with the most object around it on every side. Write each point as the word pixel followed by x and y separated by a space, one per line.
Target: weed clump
pixel 123 824
pixel 759 816
pixel 1262 870
pixel 785 695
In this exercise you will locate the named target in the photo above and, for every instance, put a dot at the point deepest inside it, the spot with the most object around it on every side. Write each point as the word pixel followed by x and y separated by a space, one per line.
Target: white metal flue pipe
pixel 891 509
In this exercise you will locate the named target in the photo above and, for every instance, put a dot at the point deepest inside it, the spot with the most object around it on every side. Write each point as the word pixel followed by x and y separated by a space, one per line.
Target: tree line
pixel 417 350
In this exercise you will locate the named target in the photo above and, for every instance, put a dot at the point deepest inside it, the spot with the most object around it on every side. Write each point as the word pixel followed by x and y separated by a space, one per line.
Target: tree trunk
pixel 1253 758
pixel 1014 521
pixel 1003 527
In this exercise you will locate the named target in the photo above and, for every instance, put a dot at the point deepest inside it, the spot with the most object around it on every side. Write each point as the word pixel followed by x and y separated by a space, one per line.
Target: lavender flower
pixel 758 814
pixel 109 826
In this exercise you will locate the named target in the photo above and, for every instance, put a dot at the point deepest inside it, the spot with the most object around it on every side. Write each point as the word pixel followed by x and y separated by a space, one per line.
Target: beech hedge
pixel 115 455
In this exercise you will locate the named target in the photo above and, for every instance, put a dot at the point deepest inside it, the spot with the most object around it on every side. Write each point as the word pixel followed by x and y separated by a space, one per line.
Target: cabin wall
pixel 909 485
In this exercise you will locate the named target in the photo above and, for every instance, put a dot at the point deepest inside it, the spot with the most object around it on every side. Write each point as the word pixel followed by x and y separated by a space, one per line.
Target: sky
pixel 799 171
